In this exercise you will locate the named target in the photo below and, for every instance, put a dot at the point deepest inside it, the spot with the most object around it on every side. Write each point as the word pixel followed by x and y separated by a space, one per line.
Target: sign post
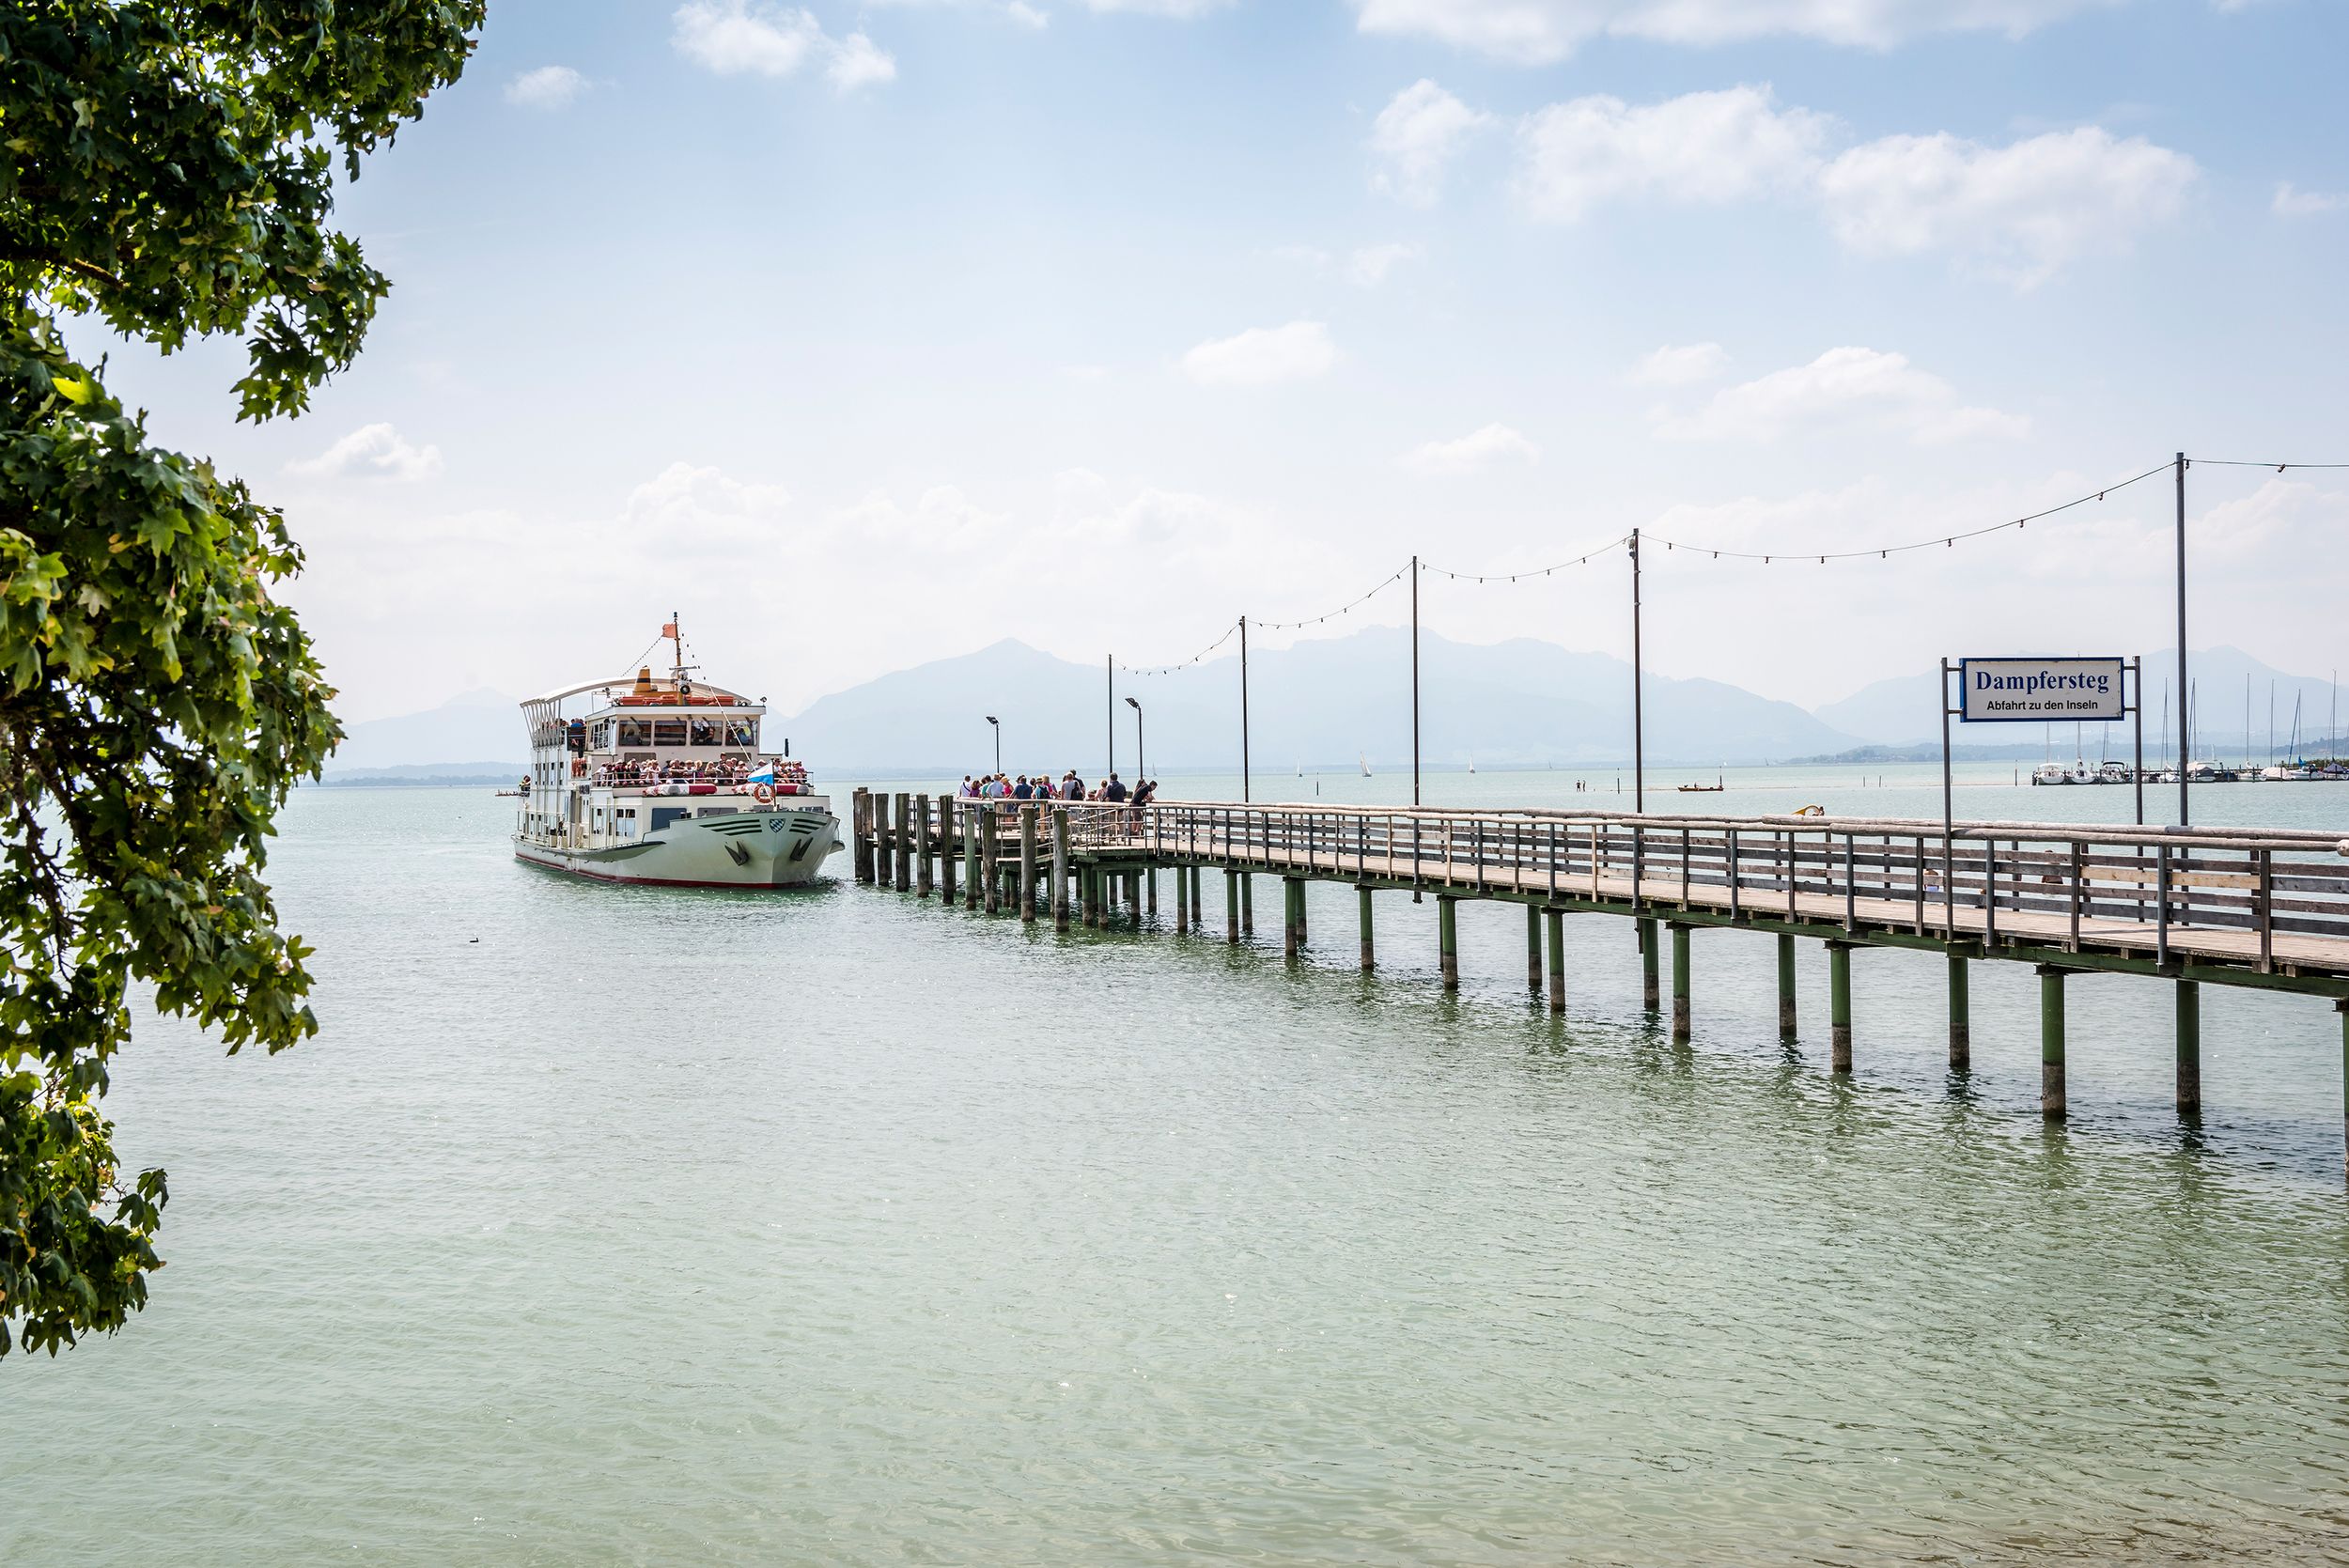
pixel 2097 690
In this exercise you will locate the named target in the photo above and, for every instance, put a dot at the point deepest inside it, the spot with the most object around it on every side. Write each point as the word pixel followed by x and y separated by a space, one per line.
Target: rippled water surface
pixel 613 1225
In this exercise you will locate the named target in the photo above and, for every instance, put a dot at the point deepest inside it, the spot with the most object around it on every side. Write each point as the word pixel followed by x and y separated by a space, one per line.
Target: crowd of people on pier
pixel 1111 790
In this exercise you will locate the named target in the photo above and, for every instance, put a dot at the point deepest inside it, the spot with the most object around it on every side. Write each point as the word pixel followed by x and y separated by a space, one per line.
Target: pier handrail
pixel 2259 897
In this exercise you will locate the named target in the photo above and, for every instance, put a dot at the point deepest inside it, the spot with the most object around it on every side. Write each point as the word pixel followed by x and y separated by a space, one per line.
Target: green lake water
pixel 618 1225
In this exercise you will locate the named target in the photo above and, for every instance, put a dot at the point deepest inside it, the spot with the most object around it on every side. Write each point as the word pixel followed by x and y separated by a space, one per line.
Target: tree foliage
pixel 167 168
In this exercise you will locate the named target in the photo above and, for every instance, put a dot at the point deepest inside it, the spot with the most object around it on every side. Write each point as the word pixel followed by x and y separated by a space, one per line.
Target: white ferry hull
pixel 780 848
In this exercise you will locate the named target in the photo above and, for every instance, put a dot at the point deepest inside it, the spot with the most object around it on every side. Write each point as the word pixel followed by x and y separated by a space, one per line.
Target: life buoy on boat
pixel 763 794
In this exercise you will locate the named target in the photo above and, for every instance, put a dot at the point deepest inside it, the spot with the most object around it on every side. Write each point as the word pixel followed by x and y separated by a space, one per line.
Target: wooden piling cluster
pixel 2256 908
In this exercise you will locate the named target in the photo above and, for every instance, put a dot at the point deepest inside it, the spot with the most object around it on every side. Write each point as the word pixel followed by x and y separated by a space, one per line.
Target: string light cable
pixel 1384 583
pixel 1229 633
pixel 1582 560
pixel 1886 551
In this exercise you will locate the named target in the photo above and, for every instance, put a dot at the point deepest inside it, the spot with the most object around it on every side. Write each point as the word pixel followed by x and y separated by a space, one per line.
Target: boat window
pixel 635 732
pixel 668 732
pixel 704 732
pixel 603 735
pixel 741 732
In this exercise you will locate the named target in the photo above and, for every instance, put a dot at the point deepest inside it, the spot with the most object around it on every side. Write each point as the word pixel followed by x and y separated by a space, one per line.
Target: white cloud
pixel 1261 355
pixel 1419 133
pixel 2019 213
pixel 1540 31
pixel 1370 264
pixel 2021 210
pixel 693 507
pixel 1704 148
pixel 1684 365
pixel 1843 387
pixel 371 452
pixel 2292 202
pixel 547 88
pixel 857 62
pixel 738 38
pixel 1027 15
pixel 1473 452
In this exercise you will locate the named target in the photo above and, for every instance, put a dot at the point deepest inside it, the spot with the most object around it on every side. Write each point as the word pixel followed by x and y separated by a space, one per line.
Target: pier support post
pixel 1651 989
pixel 1556 921
pixel 991 868
pixel 948 809
pixel 1785 986
pixel 1247 904
pixel 1961 1013
pixel 1448 939
pixel 879 854
pixel 2190 1047
pixel 861 833
pixel 1231 906
pixel 1292 918
pixel 921 871
pixel 1680 983
pixel 2051 1103
pixel 1151 909
pixel 1060 868
pixel 1198 903
pixel 1302 933
pixel 1533 948
pixel 2341 1007
pixel 905 843
pixel 1370 952
pixel 974 857
pixel 1838 1005
pixel 1027 865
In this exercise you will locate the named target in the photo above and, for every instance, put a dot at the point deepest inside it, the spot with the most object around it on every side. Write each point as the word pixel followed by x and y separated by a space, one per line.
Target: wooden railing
pixel 2265 882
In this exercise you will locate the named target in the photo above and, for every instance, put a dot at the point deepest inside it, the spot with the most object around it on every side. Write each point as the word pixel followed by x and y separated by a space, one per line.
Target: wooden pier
pixel 2256 907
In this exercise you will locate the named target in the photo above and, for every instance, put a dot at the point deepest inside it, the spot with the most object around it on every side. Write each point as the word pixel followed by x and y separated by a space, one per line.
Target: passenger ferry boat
pixel 662 782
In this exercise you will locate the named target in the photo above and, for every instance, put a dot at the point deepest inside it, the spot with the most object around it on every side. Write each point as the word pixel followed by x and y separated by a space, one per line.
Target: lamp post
pixel 1142 766
pixel 999 741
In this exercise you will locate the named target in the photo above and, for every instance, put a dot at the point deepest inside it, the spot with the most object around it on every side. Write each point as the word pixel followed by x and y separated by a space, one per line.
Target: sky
pixel 867 335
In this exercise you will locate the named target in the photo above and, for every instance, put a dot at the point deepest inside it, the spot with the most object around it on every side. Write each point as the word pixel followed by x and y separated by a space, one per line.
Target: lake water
pixel 614 1225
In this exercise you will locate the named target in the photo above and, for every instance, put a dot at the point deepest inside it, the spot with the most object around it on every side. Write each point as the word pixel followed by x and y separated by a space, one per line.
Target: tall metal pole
pixel 2137 672
pixel 1109 664
pixel 1243 709
pixel 2185 747
pixel 1638 733
pixel 1415 680
pixel 1949 828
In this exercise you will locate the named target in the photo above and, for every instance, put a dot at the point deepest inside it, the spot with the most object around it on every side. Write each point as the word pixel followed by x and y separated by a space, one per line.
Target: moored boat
pixel 665 783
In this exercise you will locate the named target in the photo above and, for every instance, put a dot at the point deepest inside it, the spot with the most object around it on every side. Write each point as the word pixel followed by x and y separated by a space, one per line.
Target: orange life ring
pixel 763 795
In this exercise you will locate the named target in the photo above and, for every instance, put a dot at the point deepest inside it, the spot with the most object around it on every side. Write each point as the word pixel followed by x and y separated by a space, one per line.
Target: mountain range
pixel 1322 704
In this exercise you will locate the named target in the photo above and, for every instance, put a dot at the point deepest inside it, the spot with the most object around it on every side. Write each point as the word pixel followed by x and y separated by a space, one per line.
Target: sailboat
pixel 1471 765
pixel 1364 760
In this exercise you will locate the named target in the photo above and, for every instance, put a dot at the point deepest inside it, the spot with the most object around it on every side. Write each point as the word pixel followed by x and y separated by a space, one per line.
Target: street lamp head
pixel 992 719
pixel 1132 704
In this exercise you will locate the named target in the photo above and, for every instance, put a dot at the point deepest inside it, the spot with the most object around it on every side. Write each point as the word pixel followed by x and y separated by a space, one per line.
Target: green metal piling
pixel 1680 982
pixel 1247 904
pixel 1231 906
pixel 1533 948
pixel 2051 1103
pixel 1785 986
pixel 1370 954
pixel 1839 1004
pixel 1292 922
pixel 1556 921
pixel 2190 1047
pixel 1651 987
pixel 1448 940
pixel 1961 1012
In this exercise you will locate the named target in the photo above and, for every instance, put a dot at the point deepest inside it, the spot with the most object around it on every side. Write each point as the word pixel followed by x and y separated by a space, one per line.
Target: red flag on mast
pixel 668 629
